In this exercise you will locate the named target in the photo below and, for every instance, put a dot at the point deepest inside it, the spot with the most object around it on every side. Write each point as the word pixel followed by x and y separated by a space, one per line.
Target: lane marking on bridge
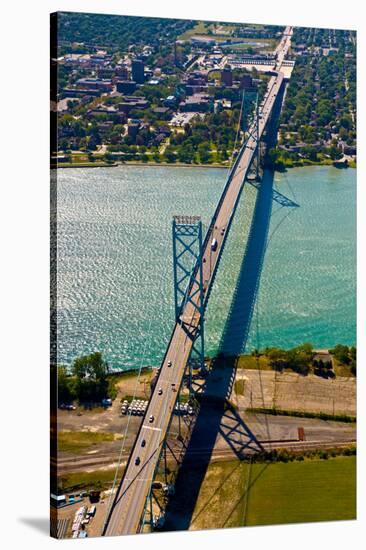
pixel 151 428
pixel 138 479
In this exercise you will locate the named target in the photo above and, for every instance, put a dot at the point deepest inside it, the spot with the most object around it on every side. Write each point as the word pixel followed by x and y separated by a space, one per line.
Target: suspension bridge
pixel 196 261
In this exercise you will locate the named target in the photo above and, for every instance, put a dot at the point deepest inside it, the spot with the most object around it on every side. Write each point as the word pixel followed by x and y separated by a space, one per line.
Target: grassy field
pixel 251 362
pixel 102 479
pixel 235 494
pixel 78 442
pixel 199 28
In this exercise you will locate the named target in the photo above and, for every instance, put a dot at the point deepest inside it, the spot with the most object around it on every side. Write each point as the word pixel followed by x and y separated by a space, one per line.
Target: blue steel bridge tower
pixel 188 283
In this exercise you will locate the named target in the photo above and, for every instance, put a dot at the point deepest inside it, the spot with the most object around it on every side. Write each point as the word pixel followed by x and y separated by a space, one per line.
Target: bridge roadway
pixel 129 502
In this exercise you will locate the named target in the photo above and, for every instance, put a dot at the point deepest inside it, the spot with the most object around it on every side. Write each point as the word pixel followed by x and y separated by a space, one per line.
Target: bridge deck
pixel 130 499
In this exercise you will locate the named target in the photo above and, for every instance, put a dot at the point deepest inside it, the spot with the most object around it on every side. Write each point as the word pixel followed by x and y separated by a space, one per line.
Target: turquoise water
pixel 115 260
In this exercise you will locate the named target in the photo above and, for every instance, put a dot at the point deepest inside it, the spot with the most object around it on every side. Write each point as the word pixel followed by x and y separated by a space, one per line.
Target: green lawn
pixel 252 362
pixel 77 442
pixel 101 479
pixel 199 28
pixel 234 494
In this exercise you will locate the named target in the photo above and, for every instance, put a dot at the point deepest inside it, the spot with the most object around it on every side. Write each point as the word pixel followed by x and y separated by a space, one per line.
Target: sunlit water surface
pixel 115 278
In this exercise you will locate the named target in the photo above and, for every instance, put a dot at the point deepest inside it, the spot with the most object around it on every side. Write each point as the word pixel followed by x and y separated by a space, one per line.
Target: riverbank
pixel 132 163
pixel 100 164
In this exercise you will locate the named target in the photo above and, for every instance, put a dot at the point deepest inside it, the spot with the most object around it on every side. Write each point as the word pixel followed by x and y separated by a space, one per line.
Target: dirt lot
pixel 291 391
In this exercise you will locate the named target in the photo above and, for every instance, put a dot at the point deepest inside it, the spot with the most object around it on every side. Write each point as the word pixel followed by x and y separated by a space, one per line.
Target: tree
pixel 277 359
pixel 300 358
pixel 65 386
pixel 310 152
pixel 341 353
pixel 91 377
pixel 203 152
pixel 334 152
pixel 169 155
pixel 108 157
pixel 353 353
pixel 186 153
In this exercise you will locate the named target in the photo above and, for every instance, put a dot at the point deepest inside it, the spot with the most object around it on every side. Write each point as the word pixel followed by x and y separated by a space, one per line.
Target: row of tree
pixel 301 359
pixel 88 381
pixel 298 359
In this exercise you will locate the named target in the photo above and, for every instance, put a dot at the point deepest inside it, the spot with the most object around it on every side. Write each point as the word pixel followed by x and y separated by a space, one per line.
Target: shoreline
pixel 130 371
pixel 142 164
pixel 183 165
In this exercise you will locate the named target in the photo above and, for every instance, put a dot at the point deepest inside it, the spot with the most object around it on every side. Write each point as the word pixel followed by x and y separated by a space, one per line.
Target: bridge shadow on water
pixel 218 423
pixel 237 326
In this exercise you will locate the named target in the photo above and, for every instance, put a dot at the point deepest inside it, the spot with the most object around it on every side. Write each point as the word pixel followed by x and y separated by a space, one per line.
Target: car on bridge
pixel 213 244
pixel 169 363
pixel 160 392
pixel 137 461
pixel 151 419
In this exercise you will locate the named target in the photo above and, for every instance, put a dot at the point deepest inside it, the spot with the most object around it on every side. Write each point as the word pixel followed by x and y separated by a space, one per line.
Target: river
pixel 115 282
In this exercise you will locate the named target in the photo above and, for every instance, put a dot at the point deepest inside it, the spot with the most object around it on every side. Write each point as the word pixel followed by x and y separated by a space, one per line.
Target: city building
pixel 133 129
pixel 125 86
pixel 131 102
pixel 138 71
pixel 86 92
pixel 170 101
pixel 227 77
pixel 112 113
pixel 163 112
pixel 105 72
pixel 197 103
pixel 104 85
pixel 122 72
pixel 246 82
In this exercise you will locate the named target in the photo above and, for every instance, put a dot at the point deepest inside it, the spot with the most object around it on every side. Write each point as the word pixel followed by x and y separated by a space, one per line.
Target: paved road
pixel 132 493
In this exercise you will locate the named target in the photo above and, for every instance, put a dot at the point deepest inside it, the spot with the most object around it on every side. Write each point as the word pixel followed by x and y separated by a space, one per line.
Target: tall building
pixel 138 74
pixel 227 77
pixel 246 82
